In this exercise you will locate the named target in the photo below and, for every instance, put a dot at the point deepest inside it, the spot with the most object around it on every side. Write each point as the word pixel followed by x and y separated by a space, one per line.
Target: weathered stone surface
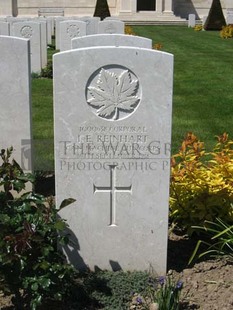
pixel 111 26
pixel 69 30
pixel 4 28
pixel 43 42
pixel 15 116
pixel 112 114
pixel 92 24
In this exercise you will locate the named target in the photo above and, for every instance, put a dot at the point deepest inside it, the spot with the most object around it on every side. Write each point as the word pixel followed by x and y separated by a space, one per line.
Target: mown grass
pixel 42 120
pixel 203 88
pixel 203 80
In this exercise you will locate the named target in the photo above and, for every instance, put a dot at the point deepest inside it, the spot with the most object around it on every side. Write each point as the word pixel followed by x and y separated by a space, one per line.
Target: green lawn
pixel 42 120
pixel 203 88
pixel 203 80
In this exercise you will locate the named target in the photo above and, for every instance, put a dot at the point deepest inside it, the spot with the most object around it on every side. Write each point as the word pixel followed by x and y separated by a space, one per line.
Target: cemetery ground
pixel 202 104
pixel 202 89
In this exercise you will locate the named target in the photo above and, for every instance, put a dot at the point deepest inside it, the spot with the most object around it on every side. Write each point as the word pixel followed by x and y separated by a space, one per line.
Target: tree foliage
pixel 215 19
pixel 102 9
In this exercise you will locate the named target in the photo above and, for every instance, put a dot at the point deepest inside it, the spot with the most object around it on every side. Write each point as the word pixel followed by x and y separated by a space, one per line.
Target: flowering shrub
pixel 31 266
pixel 201 183
pixel 129 30
pixel 198 28
pixel 157 46
pixel 227 32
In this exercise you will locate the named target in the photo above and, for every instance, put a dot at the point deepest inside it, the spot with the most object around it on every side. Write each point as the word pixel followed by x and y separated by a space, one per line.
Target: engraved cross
pixel 113 190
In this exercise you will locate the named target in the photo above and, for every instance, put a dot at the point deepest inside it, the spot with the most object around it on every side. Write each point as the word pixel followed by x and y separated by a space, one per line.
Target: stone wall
pixel 71 7
pixel 200 8
pixel 182 8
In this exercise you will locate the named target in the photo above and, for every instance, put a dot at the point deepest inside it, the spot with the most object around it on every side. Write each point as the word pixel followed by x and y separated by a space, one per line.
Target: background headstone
pixel 49 30
pixel 57 31
pixel 32 31
pixel 112 155
pixel 4 28
pixel 52 21
pixel 69 30
pixel 191 20
pixel 92 24
pixel 15 99
pixel 43 42
pixel 111 40
pixel 111 26
pixel 13 20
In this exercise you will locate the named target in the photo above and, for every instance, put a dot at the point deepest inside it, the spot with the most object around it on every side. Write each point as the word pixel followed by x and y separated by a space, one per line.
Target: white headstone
pixel 15 116
pixel 92 24
pixel 13 20
pixel 192 20
pixel 43 40
pixel 112 154
pixel 57 31
pixel 69 30
pixel 111 40
pixel 111 26
pixel 58 20
pixel 32 31
pixel 52 21
pixel 49 30
pixel 4 28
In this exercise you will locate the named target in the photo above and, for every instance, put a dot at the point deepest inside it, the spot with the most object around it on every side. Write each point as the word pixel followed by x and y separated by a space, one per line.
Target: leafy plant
pixel 129 30
pixel 162 293
pixel 157 46
pixel 102 9
pixel 47 72
pixel 31 266
pixel 227 32
pixel 220 235
pixel 35 75
pixel 201 183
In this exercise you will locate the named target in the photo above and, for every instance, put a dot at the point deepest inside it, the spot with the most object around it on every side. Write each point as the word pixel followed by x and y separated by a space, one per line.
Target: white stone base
pixel 150 16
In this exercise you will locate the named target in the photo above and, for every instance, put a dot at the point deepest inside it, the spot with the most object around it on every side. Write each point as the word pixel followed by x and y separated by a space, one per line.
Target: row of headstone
pixel 192 19
pixel 112 144
pixel 15 99
pixel 67 29
pixel 112 151
pixel 40 31
pixel 37 31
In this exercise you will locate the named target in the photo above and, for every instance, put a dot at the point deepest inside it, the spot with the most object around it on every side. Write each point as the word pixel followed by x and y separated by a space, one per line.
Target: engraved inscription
pixel 73 31
pixel 112 190
pixel 114 96
pixel 26 31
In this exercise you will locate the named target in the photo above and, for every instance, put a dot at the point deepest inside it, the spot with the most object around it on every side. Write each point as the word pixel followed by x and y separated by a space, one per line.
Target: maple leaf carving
pixel 113 94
